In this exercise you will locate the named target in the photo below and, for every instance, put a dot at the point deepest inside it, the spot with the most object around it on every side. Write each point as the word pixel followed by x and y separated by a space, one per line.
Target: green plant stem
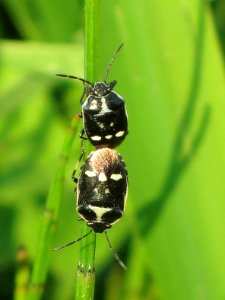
pixel 44 247
pixel 86 267
pixel 92 33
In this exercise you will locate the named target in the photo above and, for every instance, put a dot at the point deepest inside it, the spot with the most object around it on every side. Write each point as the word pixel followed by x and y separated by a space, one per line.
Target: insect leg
pixel 82 135
pixel 78 162
pixel 73 242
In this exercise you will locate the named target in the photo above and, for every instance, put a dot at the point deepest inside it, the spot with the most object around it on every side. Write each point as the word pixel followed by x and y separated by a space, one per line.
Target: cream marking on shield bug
pixel 90 173
pixel 108 137
pixel 119 133
pixel 96 138
pixel 101 125
pixel 116 177
pixel 99 211
pixel 107 191
pixel 104 108
pixel 111 124
pixel 93 105
pixel 102 177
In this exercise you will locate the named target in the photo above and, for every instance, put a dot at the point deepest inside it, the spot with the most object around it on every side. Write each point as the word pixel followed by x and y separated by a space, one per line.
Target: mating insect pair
pixel 102 184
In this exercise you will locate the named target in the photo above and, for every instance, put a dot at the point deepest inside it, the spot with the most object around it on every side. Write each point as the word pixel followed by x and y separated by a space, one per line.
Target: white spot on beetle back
pixel 90 173
pixel 119 133
pixel 93 105
pixel 101 125
pixel 96 138
pixel 104 108
pixel 116 177
pixel 102 177
pixel 99 211
pixel 107 191
pixel 108 137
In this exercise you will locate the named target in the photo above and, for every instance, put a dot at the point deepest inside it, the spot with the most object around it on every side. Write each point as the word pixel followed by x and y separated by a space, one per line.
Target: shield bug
pixel 101 192
pixel 102 189
pixel 103 111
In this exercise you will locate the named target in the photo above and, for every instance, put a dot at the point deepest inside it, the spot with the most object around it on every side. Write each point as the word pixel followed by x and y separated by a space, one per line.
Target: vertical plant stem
pixel 86 268
pixel 92 33
pixel 44 247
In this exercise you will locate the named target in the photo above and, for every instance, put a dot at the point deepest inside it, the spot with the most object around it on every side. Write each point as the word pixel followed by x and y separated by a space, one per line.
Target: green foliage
pixel 171 75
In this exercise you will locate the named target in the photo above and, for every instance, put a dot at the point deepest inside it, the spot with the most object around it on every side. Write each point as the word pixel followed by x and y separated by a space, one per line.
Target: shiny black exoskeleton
pixel 103 111
pixel 104 115
pixel 102 184
pixel 102 189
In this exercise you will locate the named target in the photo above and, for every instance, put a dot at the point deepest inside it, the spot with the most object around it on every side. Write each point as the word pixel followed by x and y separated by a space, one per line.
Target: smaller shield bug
pixel 102 189
pixel 103 111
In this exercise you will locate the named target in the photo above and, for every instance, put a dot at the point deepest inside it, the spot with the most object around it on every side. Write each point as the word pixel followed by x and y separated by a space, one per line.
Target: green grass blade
pixel 173 79
pixel 86 268
pixel 171 75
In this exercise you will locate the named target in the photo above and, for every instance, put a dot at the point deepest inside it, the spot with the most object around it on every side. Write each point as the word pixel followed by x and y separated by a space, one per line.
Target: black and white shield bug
pixel 102 189
pixel 101 192
pixel 104 113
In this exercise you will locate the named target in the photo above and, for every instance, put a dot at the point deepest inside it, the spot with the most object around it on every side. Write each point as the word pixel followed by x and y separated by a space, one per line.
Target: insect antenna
pixel 75 77
pixel 73 242
pixel 115 253
pixel 112 61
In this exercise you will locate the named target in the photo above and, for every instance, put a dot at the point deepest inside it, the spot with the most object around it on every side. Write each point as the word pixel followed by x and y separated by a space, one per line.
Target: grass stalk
pixel 44 247
pixel 86 267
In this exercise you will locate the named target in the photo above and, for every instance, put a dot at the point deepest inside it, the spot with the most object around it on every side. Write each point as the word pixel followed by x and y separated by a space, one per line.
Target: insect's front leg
pixel 82 133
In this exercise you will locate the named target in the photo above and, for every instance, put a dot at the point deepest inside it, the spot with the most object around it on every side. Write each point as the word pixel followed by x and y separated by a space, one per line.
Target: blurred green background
pixel 171 74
